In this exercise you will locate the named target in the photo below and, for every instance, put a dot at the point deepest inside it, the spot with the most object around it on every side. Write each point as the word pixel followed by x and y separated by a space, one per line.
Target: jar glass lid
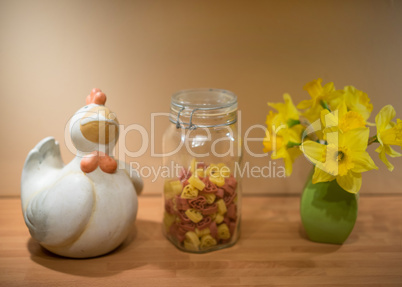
pixel 204 98
pixel 190 108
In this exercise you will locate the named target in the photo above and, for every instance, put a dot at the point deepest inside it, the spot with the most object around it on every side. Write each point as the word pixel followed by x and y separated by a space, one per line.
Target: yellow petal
pixel 287 109
pixel 351 182
pixel 267 142
pixel 276 106
pixel 279 153
pixel 313 151
pixel 291 111
pixel 358 101
pixel 391 152
pixel 292 154
pixel 270 119
pixel 384 117
pixel 384 159
pixel 355 140
pixel 273 143
pixel 321 176
pixel 305 104
pixel 342 109
pixel 363 162
pixel 294 134
pixel 328 87
pixel 337 97
pixel 334 136
pixel 329 119
pixel 383 151
pixel 313 114
pixel 314 88
pixel 392 135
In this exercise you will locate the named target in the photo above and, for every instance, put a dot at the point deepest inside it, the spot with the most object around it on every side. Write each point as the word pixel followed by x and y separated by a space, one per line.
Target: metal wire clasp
pixel 191 126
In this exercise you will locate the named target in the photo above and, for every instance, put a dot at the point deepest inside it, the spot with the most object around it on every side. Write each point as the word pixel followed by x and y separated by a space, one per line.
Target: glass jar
pixel 202 194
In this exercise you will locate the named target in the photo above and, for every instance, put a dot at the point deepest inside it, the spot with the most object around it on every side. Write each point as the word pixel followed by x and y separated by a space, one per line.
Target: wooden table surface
pixel 272 251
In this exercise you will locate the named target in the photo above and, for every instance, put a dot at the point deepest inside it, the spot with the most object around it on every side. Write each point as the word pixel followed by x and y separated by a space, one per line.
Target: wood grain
pixel 272 251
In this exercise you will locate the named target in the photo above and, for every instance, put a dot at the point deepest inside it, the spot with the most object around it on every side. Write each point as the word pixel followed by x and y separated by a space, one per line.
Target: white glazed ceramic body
pixel 73 213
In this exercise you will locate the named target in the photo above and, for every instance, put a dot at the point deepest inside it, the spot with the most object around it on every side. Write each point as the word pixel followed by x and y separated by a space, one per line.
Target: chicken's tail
pixel 39 168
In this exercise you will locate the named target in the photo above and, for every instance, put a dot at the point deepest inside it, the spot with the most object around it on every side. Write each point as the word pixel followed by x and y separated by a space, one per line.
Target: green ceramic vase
pixel 328 212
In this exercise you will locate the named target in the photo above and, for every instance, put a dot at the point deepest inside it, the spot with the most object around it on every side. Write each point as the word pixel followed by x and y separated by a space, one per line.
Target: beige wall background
pixel 140 52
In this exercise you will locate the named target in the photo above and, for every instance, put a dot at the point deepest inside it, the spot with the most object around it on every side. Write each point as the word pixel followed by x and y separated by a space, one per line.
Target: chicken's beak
pixel 99 125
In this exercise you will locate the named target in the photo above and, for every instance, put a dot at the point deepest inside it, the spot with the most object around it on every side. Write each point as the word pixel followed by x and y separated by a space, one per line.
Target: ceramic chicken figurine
pixel 87 207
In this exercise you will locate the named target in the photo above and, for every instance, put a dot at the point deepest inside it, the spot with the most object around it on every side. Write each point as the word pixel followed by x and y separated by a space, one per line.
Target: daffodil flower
pixel 356 101
pixel 287 110
pixel 332 132
pixel 283 132
pixel 344 158
pixel 281 143
pixel 341 119
pixel 289 156
pixel 320 96
pixel 388 133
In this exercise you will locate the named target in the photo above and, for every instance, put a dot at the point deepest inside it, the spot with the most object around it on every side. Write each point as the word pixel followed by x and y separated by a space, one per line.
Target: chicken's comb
pixel 96 97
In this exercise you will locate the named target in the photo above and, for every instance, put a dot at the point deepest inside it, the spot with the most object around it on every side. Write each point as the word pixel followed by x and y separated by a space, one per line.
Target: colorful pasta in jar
pixel 201 208
pixel 202 200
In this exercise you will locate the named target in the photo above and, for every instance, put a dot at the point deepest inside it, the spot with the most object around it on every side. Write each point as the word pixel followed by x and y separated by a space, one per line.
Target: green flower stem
pixel 292 144
pixel 373 139
pixel 292 122
pixel 324 104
